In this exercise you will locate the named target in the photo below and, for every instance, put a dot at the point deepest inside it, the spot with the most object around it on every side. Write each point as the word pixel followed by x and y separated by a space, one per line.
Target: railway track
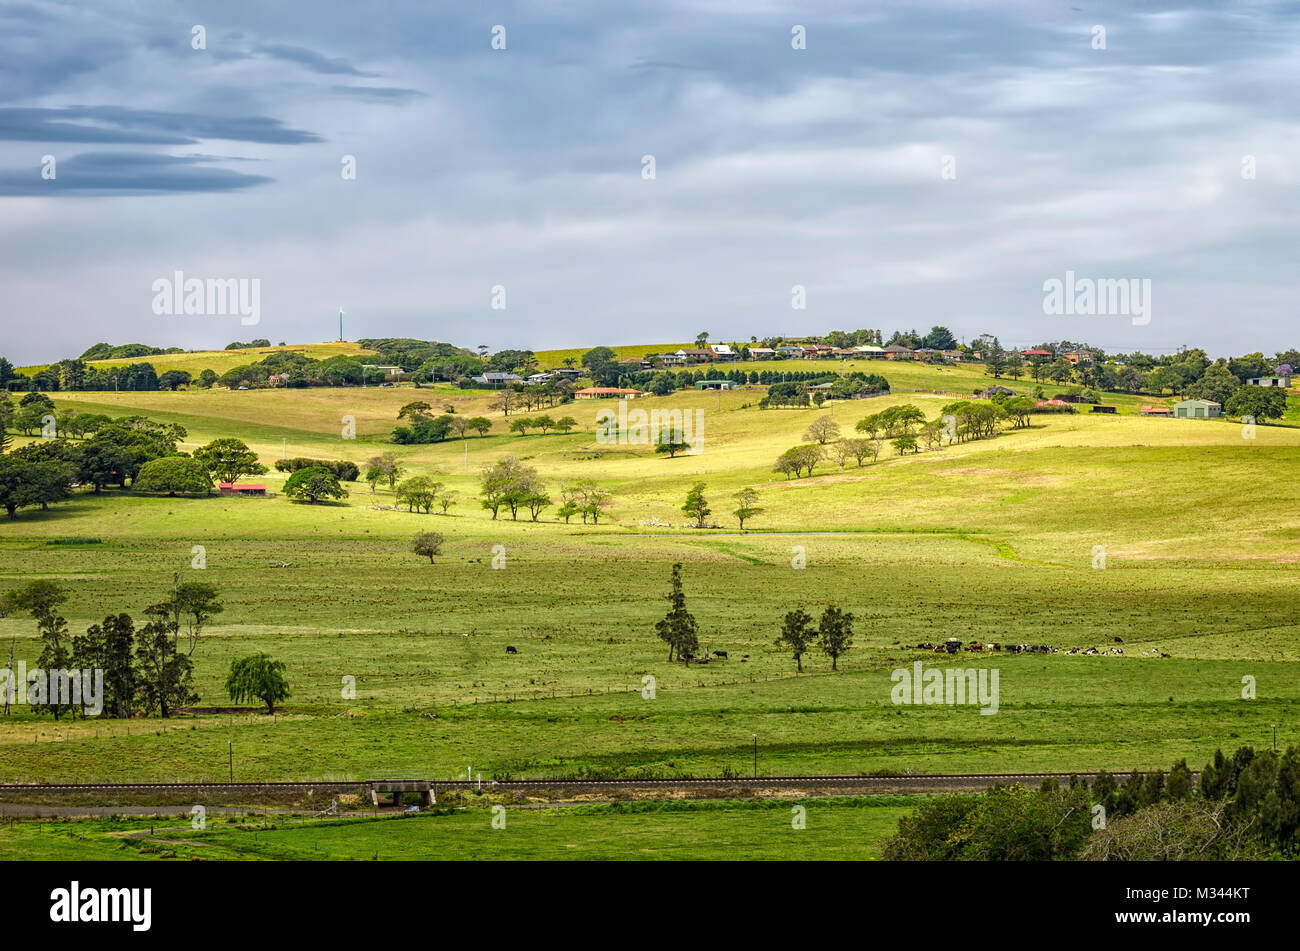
pixel 913 782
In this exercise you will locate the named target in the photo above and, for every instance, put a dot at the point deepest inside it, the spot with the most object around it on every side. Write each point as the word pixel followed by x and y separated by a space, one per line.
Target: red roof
pixel 1036 353
pixel 1154 409
pixel 242 486
pixel 604 391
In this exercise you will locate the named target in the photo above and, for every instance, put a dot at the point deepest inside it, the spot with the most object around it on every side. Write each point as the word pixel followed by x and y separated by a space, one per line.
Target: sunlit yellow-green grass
pixel 837 828
pixel 1180 537
pixel 219 361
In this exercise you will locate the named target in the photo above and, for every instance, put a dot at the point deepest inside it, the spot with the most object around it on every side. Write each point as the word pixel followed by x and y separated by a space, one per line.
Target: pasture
pixel 993 540
pixel 836 828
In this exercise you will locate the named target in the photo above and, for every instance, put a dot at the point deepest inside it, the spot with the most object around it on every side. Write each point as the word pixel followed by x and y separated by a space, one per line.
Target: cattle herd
pixel 953 645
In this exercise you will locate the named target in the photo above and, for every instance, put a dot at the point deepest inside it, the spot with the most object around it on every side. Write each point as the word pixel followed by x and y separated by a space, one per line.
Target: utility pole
pixel 230 747
pixel 756 756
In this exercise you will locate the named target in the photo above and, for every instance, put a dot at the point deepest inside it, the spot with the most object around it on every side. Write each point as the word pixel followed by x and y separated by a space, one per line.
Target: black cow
pixel 511 650
pixel 719 653
pixel 1119 640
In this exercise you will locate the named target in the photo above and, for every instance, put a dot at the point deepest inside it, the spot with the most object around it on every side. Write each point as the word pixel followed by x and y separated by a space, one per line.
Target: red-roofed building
pixel 241 488
pixel 1156 411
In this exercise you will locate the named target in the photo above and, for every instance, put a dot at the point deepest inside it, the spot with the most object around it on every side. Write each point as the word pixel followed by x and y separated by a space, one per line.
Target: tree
pixel 173 379
pixel 1217 385
pixel 565 423
pixel 418 493
pixel 1019 409
pixel 602 364
pixel 696 506
pixel 228 459
pixel 1260 402
pixel 174 475
pixel 165 677
pixel 746 497
pixel 41 599
pixel 446 500
pixel 481 425
pixel 835 633
pixel 257 676
pixel 521 425
pixel 427 544
pixel 29 476
pixel 313 484
pixel 678 628
pixel 823 430
pixel 671 443
pixel 859 449
pixel 905 443
pixel 995 358
pixel 417 408
pixel 797 634
pixel 940 338
pixel 107 647
pixel 388 467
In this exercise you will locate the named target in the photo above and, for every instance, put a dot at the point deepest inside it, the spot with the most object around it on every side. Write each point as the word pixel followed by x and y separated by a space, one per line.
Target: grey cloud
pixel 316 62
pixel 127 173
pixel 118 124
pixel 389 94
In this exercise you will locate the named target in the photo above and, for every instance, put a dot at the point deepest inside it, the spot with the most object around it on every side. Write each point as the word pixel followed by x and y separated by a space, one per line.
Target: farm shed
pixel 1197 409
pixel 242 488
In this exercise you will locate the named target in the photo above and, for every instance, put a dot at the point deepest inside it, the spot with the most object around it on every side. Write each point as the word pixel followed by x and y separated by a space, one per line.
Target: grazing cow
pixel 511 650
pixel 1119 640
pixel 719 653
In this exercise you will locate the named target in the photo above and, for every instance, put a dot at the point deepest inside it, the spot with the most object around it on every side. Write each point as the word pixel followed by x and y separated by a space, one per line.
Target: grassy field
pixel 841 828
pixel 992 540
pixel 219 361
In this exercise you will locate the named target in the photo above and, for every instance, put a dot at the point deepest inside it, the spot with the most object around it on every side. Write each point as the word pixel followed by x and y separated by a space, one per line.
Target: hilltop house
pixel 895 352
pixel 762 353
pixel 871 351
pixel 497 379
pixel 722 353
pixel 606 392
pixel 695 355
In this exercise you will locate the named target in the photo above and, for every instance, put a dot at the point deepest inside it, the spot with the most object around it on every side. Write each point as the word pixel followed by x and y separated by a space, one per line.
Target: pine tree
pixel 678 627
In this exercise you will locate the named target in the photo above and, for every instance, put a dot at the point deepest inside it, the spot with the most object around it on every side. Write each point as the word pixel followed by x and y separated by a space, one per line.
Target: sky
pixel 915 163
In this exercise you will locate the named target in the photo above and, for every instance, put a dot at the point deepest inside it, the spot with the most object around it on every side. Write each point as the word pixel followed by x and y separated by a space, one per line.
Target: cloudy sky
pixel 523 167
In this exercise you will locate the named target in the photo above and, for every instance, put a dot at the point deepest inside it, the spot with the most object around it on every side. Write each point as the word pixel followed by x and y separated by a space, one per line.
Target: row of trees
pixel 1246 806
pixel 522 424
pixel 147 669
pixel 129 449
